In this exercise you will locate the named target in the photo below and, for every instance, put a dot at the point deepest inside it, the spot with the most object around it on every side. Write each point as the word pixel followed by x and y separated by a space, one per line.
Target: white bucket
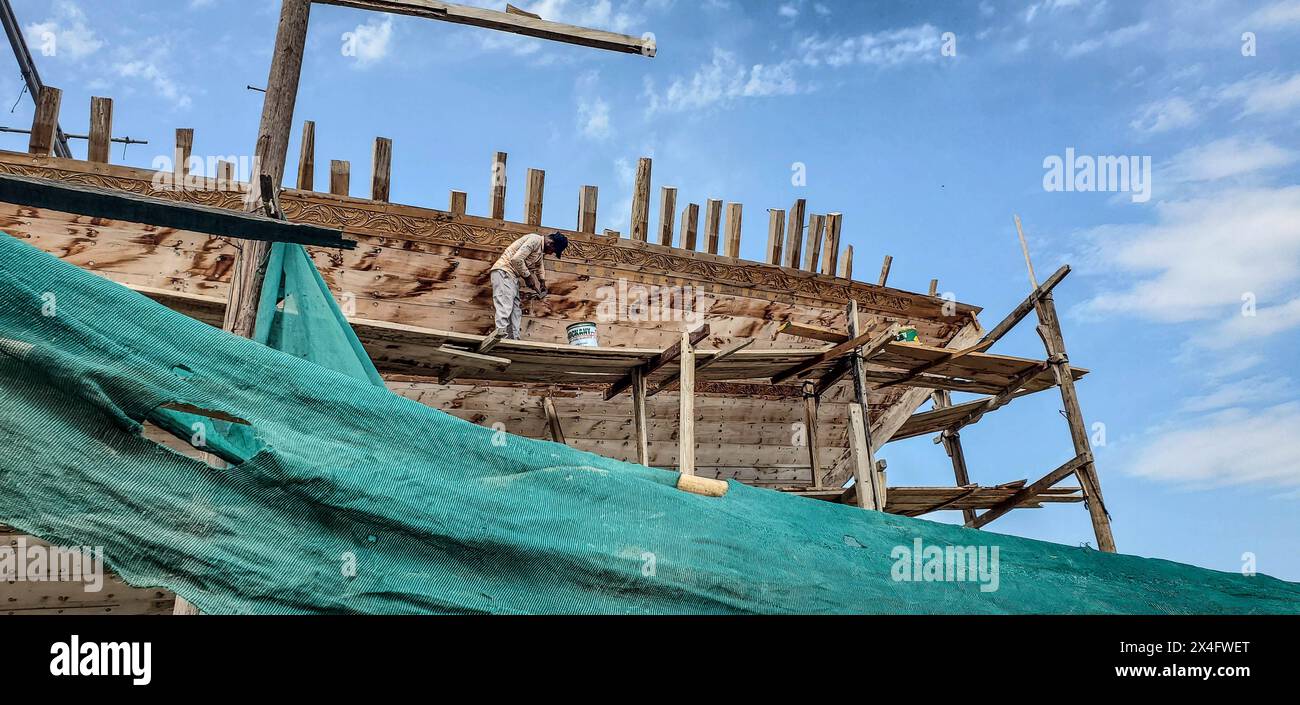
pixel 583 334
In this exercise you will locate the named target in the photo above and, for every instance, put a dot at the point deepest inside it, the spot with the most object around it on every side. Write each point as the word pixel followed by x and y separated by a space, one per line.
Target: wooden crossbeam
pixel 118 205
pixel 717 357
pixel 1029 492
pixel 970 490
pixel 950 357
pixel 1002 398
pixel 805 330
pixel 1018 314
pixel 514 22
pixel 653 365
pixel 870 344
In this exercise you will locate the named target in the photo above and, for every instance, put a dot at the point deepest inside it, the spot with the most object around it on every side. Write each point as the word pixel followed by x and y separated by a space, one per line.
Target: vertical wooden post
pixel 816 224
pixel 307 157
pixel 775 235
pixel 952 446
pixel 340 177
pixel 794 233
pixel 864 456
pixel 640 431
pixel 810 432
pixel 101 129
pixel 667 211
pixel 536 188
pixel 734 212
pixel 184 148
pixel 846 264
pixel 641 201
pixel 269 155
pixel 712 224
pixel 1049 329
pixel 587 200
pixel 45 123
pixel 831 248
pixel 884 270
pixel 686 426
pixel 498 206
pixel 690 226
pixel 458 203
pixel 226 175
pixel 381 173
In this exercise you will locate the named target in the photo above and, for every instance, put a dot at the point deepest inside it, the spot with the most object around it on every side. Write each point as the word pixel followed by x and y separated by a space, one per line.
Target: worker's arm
pixel 531 246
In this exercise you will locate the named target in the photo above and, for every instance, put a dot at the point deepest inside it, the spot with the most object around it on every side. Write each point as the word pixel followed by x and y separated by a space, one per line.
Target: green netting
pixel 361 501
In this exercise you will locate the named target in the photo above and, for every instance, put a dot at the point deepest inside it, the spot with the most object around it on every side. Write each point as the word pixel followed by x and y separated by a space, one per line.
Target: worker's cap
pixel 560 243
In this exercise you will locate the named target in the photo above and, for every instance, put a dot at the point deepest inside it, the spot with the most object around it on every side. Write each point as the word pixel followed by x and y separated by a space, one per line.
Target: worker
pixel 521 262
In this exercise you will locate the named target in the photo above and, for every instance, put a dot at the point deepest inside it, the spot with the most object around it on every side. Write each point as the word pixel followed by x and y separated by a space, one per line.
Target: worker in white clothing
pixel 521 262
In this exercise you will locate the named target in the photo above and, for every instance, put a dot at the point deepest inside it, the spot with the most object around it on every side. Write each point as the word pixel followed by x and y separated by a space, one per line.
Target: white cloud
pixel 1112 39
pixel 1164 115
pixel 369 43
pixel 1203 254
pixel 787 10
pixel 1243 392
pixel 1232 447
pixel 71 37
pixel 1267 321
pixel 1275 16
pixel 885 48
pixel 1265 95
pixel 592 110
pixel 722 80
pixel 1227 158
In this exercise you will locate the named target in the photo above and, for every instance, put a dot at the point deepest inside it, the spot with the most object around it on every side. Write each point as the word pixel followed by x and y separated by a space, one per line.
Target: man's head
pixel 556 244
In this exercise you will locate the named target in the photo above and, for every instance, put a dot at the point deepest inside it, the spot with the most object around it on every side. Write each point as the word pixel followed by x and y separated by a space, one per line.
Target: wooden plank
pixel 534 196
pixel 804 330
pixel 884 270
pixel 587 201
pixel 952 446
pixel 118 205
pixel 734 213
pixel 667 212
pixel 1030 492
pixel 458 203
pixel 775 234
pixel 381 173
pixel 340 177
pixel 101 129
pixel 810 432
pixel 184 149
pixel 712 224
pixel 307 157
pixel 654 364
pixel 517 23
pixel 690 227
pixel 45 122
pixel 497 210
pixel 794 233
pixel 708 362
pixel 816 227
pixel 1024 307
pixel 846 263
pixel 639 417
pixel 686 434
pixel 831 248
pixel 553 420
pixel 640 226
pixel 871 343
pixel 860 449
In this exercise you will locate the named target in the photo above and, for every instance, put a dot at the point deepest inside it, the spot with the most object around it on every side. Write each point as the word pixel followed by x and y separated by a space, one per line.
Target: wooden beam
pixel 861 448
pixel 112 204
pixel 270 152
pixel 640 227
pixel 640 433
pixel 226 175
pixel 934 287
pixel 690 227
pixel 712 224
pixel 686 394
pixel 667 212
pixel 804 330
pixel 307 157
pixel 184 149
pixel 870 344
pixel 712 360
pixel 816 226
pixel 810 432
pixel 952 446
pixel 525 24
pixel 45 122
pixel 657 362
pixel 831 248
pixel 497 210
pixel 734 213
pixel 775 235
pixel 846 263
pixel 1029 492
pixel 340 177
pixel 101 129
pixel 381 172
pixel 533 197
pixel 912 374
pixel 884 270
pixel 1020 311
pixel 458 203
pixel 588 197
pixel 553 421
pixel 794 233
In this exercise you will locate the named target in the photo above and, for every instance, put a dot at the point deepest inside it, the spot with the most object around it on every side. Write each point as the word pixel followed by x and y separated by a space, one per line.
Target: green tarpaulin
pixel 353 499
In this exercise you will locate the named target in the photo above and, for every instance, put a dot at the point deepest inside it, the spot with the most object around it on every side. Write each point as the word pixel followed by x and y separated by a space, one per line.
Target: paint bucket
pixel 583 334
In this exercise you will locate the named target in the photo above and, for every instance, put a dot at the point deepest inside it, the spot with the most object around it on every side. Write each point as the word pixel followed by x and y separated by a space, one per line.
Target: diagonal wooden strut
pixel 1031 491
pixel 669 354
pixel 870 344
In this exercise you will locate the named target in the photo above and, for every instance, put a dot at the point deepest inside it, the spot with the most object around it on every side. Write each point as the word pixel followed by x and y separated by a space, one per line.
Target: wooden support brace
pixel 831 249
pixel 458 203
pixel 533 197
pixel 816 226
pixel 734 212
pixel 651 366
pixel 775 235
pixel 716 358
pixel 667 212
pixel 307 157
pixel 861 447
pixel 381 174
pixel 952 446
pixel 794 233
pixel 1020 311
pixel 846 263
pixel 690 227
pixel 884 270
pixel 340 177
pixel 101 129
pixel 686 394
pixel 1029 492
pixel 870 344
pixel 712 224
pixel 810 432
pixel 553 421
pixel 184 149
pixel 803 330
pixel 639 424
pixel 587 201
pixel 497 208
pixel 640 226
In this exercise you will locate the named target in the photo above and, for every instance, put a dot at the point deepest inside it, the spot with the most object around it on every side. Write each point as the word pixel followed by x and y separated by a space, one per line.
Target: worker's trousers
pixel 506 301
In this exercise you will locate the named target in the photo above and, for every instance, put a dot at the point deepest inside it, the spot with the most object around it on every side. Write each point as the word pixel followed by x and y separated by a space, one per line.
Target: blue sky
pixel 927 154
